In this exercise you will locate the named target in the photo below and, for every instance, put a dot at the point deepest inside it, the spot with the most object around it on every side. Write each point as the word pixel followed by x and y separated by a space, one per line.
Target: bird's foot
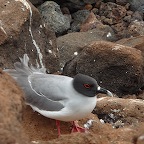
pixel 58 127
pixel 77 128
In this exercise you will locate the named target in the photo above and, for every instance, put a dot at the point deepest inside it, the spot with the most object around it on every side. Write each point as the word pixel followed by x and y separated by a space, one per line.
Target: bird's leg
pixel 77 128
pixel 58 127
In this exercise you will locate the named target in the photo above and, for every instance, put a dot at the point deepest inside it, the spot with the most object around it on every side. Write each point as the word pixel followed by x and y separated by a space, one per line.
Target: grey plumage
pixel 56 96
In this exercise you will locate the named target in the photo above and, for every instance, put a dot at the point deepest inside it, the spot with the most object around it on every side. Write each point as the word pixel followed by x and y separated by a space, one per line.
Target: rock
pixel 115 67
pixel 136 4
pixel 121 29
pixel 102 134
pixel 71 44
pixel 88 7
pixel 135 42
pixel 36 2
pixel 52 15
pixel 11 105
pixel 140 139
pixel 112 11
pixel 78 18
pixel 38 127
pixel 90 23
pixel 89 1
pixel 127 18
pixel 23 32
pixel 137 16
pixel 73 6
pixel 43 130
pixel 136 28
pixel 120 112
pixel 121 2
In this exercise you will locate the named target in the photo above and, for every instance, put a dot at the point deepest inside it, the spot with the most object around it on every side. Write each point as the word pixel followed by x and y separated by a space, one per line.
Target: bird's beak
pixel 104 91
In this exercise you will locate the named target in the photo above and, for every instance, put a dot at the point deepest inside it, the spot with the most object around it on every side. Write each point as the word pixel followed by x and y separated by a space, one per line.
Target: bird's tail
pixel 22 68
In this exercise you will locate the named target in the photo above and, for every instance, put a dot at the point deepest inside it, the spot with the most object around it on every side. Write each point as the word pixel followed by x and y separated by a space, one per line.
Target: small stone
pixel 140 140
pixel 88 7
pixel 127 18
pixel 108 21
pixel 121 2
pixel 129 12
pixel 136 28
pixel 137 16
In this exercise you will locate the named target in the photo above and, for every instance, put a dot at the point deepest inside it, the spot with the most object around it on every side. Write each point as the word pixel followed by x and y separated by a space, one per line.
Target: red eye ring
pixel 87 85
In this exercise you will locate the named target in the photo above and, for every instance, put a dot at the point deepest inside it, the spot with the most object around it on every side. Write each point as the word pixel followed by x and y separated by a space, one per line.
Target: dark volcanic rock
pixel 36 2
pixel 52 15
pixel 78 18
pixel 136 28
pixel 136 5
pixel 22 31
pixel 112 11
pixel 115 67
pixel 71 44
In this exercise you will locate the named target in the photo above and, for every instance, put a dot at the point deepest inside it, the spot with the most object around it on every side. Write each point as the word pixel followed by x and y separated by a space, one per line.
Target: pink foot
pixel 77 128
pixel 58 127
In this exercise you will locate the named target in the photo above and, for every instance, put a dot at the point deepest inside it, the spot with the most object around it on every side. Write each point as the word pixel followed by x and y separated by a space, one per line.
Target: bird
pixel 58 97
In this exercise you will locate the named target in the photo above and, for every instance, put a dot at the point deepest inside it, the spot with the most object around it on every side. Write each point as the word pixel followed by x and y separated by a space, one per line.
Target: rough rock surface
pixel 115 67
pixel 135 42
pixel 52 15
pixel 43 130
pixel 71 44
pixel 36 2
pixel 120 112
pixel 112 11
pixel 78 18
pixel 136 4
pixel 11 106
pixel 22 31
pixel 116 120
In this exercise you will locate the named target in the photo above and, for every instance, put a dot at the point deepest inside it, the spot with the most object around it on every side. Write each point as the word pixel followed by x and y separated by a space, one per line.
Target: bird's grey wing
pixel 46 93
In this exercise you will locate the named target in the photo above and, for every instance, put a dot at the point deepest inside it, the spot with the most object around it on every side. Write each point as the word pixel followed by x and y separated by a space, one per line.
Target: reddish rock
pixel 43 130
pixel 120 112
pixel 135 42
pixel 88 7
pixel 116 67
pixel 22 31
pixel 72 44
pixel 90 23
pixel 38 127
pixel 140 139
pixel 112 11
pixel 136 28
pixel 122 2
pixel 11 105
pixel 121 29
pixel 138 16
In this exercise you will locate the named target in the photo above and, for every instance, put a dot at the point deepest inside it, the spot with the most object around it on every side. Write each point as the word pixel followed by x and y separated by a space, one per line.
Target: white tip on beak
pixel 109 93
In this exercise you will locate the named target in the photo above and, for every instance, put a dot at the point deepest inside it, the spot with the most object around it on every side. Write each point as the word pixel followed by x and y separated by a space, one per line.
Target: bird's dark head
pixel 88 86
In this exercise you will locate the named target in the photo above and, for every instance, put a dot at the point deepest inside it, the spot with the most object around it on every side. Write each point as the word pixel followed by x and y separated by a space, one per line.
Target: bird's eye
pixel 87 85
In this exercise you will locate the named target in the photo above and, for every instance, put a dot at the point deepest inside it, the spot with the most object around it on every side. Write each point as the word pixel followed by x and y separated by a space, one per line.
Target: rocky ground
pixel 103 39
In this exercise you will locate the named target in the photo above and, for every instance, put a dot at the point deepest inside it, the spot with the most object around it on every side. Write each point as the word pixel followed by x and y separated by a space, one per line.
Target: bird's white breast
pixel 76 106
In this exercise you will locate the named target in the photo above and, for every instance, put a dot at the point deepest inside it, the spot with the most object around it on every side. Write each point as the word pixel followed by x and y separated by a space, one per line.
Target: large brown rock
pixel 43 130
pixel 120 112
pixel 135 42
pixel 22 31
pixel 11 105
pixel 71 44
pixel 115 67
